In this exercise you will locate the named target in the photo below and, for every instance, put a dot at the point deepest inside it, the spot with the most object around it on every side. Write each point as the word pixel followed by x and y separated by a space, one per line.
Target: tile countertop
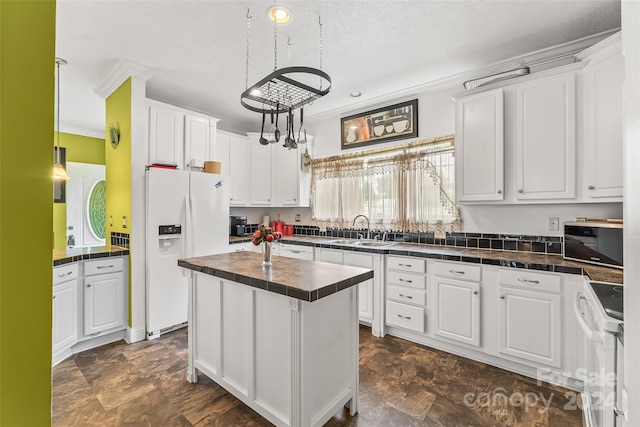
pixel 300 279
pixel 514 259
pixel 66 256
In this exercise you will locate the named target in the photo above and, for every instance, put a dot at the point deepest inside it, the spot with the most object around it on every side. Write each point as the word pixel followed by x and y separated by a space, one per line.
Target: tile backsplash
pixel 120 239
pixel 507 242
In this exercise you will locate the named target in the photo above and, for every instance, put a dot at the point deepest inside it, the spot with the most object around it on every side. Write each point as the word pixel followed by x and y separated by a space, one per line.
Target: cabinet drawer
pixel 418 281
pixel 102 266
pixel 65 273
pixel 330 255
pixel 528 280
pixel 295 251
pixel 406 295
pixel 355 259
pixel 457 270
pixel 405 316
pixel 406 264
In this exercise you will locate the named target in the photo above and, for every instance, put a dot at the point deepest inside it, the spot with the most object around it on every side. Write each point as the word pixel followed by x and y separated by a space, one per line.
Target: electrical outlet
pixel 297 217
pixel 554 223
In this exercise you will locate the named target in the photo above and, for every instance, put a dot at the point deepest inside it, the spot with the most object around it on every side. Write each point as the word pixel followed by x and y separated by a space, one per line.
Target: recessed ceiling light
pixel 279 14
pixel 355 94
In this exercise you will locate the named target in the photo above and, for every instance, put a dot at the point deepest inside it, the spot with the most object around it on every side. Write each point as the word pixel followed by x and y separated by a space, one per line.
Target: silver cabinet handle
pixel 528 281
pixel 404 317
pixel 499 191
pixel 501 296
pixel 65 274
pixel 404 280
pixel 406 296
pixel 102 267
pixel 54 297
pixel 521 191
pixel 405 265
pixel 456 271
pixel 475 292
pixel 89 285
pixel 591 187
pixel 294 251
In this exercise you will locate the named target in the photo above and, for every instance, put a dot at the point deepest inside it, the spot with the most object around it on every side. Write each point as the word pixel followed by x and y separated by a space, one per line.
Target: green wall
pixel 81 149
pixel 27 69
pixel 118 170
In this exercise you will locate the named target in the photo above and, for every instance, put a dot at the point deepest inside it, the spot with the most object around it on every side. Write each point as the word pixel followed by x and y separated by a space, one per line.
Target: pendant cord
pixel 275 45
pixel 246 73
pixel 320 25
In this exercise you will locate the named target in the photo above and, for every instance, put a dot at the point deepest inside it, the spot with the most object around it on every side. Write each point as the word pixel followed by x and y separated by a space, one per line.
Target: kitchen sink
pixel 361 242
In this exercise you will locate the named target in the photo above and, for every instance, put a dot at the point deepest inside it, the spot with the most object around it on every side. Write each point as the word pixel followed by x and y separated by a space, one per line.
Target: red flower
pixel 257 234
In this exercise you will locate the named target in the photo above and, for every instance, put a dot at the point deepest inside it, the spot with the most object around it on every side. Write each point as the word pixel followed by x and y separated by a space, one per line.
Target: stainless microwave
pixel 594 242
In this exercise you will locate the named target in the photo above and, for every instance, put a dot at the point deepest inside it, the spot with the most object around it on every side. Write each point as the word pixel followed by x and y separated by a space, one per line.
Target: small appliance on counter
pixel 237 225
pixel 595 242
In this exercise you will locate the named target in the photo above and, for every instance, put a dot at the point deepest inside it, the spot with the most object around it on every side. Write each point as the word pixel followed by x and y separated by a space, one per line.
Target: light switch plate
pixel 297 217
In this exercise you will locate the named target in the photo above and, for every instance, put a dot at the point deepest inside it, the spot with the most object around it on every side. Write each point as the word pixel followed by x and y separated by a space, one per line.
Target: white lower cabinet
pixel 296 251
pixel 530 325
pixel 517 319
pixel 65 312
pixel 370 300
pixel 103 296
pixel 456 304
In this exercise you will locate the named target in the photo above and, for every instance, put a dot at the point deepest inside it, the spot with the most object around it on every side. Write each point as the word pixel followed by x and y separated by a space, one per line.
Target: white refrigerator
pixel 187 215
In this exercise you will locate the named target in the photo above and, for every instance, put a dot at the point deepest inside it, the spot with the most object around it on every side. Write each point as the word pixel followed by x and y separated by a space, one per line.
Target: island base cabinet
pixel 283 357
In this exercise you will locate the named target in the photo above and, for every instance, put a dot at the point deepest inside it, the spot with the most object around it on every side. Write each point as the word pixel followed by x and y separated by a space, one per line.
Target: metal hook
pixel 289 41
pixel 248 16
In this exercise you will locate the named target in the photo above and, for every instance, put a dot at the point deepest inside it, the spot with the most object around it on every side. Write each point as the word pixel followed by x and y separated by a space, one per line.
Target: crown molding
pixel 119 74
pixel 83 132
pixel 542 59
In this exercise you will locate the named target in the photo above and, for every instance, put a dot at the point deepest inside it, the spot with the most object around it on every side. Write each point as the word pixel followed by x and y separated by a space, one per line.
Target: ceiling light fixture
pixel 285 89
pixel 279 14
pixel 59 173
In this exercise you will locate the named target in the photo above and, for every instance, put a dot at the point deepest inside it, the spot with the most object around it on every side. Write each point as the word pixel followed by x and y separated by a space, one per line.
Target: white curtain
pixel 407 188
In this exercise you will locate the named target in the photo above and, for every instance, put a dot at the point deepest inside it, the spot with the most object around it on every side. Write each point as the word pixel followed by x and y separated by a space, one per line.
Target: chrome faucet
pixel 368 225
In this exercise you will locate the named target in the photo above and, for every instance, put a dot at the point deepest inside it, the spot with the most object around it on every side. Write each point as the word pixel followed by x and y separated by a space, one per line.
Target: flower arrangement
pixel 265 234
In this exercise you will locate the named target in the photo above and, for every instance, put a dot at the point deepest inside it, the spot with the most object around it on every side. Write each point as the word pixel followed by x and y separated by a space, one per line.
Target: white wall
pixel 436 117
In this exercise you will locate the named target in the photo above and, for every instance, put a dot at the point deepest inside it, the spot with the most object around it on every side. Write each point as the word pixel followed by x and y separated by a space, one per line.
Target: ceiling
pixel 197 49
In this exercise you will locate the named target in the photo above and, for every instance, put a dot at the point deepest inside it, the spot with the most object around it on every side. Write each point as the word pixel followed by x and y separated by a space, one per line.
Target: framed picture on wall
pixel 398 121
pixel 60 186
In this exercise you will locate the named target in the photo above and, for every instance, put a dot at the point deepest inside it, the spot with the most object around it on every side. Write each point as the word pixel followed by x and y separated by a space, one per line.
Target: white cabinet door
pixel 103 303
pixel 166 135
pixel 240 171
pixel 220 153
pixel 602 88
pixel 545 138
pixel 334 256
pixel 480 147
pixel 296 251
pixel 261 163
pixel 65 315
pixel 196 141
pixel 457 310
pixel 284 176
pixel 365 289
pixel 530 325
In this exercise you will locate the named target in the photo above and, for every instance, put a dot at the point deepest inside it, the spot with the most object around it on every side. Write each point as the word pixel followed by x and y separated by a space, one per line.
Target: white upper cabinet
pixel 196 141
pixel 602 125
pixel 239 170
pixel 480 147
pixel 284 176
pixel 166 135
pixel 179 136
pixel 261 169
pixel 545 139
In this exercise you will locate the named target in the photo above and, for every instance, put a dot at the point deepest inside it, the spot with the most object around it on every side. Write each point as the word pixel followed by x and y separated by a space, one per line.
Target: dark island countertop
pixel 66 256
pixel 300 279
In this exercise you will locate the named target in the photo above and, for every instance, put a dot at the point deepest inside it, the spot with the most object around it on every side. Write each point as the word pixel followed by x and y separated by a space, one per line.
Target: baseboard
pixel 97 342
pixel 60 356
pixel 134 334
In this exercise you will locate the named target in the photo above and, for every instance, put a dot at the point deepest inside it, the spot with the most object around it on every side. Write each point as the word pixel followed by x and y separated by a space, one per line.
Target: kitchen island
pixel 283 340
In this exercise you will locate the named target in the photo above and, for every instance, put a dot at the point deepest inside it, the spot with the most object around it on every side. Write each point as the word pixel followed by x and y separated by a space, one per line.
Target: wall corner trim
pixel 119 74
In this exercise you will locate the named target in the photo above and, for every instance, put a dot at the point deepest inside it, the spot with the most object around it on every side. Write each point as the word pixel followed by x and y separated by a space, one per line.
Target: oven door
pixel 599 354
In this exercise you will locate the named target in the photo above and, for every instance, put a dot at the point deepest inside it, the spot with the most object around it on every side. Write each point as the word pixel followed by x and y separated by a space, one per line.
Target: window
pixel 408 188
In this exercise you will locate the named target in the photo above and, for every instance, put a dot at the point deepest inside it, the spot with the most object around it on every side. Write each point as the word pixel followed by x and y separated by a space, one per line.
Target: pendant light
pixel 59 173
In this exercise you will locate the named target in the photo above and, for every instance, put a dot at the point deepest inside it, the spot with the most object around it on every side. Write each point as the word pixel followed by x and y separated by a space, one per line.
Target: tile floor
pixel 401 384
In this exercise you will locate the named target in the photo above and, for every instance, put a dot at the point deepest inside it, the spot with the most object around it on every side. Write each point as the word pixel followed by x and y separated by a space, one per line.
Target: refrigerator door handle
pixel 194 224
pixel 186 240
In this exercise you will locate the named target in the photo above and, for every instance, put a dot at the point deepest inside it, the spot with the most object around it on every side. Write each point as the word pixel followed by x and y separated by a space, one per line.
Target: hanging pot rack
pixel 284 90
pixel 281 87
